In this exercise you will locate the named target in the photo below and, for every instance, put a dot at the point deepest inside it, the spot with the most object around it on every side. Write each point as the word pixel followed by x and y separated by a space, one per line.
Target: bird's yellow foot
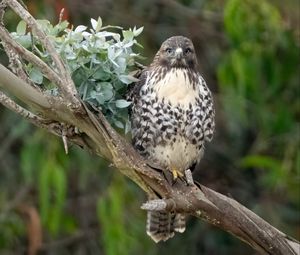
pixel 176 174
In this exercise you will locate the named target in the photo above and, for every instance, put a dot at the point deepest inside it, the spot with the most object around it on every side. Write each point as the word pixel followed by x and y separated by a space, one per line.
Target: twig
pixel 49 125
pixel 61 15
pixel 64 138
pixel 66 85
pixel 29 56
pixel 8 103
pixel 52 127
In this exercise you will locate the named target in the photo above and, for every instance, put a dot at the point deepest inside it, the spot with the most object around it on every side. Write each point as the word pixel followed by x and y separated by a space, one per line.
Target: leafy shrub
pixel 99 60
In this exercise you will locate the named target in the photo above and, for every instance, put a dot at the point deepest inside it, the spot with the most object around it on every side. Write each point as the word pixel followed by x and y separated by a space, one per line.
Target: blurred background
pixel 248 53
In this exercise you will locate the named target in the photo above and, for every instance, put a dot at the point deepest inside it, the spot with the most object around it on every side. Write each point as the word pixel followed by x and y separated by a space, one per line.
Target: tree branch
pixel 13 106
pixel 29 56
pixel 99 137
pixel 66 84
pixel 22 90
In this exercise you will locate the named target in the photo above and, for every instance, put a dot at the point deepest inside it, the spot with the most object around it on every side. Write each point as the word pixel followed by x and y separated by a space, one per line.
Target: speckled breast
pixel 167 122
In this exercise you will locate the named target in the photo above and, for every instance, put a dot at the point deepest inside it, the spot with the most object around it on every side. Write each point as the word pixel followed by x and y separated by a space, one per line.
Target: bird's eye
pixel 168 50
pixel 188 51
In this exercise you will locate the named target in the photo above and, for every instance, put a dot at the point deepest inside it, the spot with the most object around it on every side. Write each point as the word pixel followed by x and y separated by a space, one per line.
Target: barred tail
pixel 162 225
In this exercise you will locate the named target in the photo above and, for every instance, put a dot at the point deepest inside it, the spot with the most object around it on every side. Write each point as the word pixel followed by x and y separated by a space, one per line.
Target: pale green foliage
pixel 99 61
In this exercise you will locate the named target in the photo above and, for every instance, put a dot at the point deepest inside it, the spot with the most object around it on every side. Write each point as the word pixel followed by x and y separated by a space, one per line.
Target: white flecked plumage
pixel 172 117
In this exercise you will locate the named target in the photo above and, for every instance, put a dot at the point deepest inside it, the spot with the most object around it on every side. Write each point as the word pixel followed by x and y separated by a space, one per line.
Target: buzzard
pixel 172 117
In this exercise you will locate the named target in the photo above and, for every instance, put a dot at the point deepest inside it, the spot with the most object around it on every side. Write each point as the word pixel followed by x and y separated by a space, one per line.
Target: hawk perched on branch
pixel 172 117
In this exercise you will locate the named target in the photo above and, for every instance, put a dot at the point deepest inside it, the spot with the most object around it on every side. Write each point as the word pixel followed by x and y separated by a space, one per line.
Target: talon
pixel 176 174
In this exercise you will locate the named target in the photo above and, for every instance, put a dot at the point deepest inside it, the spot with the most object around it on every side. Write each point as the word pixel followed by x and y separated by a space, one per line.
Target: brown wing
pixel 134 88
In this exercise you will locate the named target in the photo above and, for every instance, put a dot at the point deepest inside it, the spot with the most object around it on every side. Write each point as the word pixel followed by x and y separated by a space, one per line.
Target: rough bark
pixel 67 116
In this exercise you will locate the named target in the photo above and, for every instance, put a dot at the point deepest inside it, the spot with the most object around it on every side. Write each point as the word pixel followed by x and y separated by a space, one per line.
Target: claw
pixel 186 176
pixel 176 174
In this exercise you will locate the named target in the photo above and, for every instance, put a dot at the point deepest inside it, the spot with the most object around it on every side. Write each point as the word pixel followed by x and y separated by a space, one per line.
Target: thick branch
pixel 22 90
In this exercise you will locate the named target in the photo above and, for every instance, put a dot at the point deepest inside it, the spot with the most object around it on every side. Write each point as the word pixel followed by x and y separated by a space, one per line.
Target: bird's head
pixel 178 52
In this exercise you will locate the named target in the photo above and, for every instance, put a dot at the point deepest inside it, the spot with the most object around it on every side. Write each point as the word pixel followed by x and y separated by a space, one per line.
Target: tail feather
pixel 179 223
pixel 162 225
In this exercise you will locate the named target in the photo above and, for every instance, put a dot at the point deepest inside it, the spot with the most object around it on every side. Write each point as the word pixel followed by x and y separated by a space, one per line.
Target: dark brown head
pixel 178 52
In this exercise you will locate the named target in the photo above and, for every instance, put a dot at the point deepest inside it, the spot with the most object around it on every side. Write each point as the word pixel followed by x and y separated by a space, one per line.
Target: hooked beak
pixel 178 53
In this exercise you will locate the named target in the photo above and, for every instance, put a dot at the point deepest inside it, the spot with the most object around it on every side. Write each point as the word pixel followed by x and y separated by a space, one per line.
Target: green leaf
pixel 99 24
pixel 105 85
pixel 107 94
pixel 98 96
pixel 121 103
pixel 21 28
pixel 63 25
pixel 57 29
pixel 101 75
pixel 127 79
pixel 96 24
pixel 118 124
pixel 45 25
pixel 138 31
pixel 24 40
pixel 128 35
pixel 36 76
pixel 80 29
